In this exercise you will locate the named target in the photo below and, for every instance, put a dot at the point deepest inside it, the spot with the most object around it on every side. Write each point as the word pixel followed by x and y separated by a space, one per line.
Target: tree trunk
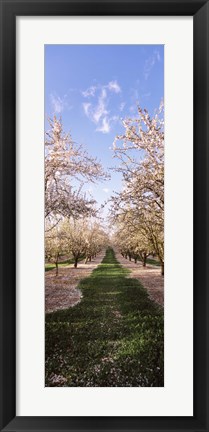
pixel 86 260
pixel 76 262
pixel 162 268
pixel 56 263
pixel 90 258
pixel 144 259
pixel 135 260
pixel 125 256
pixel 129 257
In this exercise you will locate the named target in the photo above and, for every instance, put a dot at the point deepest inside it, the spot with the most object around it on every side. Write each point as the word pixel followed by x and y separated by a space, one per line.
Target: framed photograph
pixel 104 173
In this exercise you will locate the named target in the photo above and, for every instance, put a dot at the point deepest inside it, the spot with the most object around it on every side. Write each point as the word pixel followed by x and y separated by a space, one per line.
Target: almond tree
pixel 67 168
pixel 95 238
pixel 74 238
pixel 140 151
pixel 54 246
pixel 132 241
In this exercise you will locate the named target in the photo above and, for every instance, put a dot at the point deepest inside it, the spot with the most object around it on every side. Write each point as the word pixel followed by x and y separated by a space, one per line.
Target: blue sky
pixel 93 87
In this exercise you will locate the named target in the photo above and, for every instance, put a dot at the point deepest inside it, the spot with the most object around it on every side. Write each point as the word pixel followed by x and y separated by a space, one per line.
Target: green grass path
pixel 113 337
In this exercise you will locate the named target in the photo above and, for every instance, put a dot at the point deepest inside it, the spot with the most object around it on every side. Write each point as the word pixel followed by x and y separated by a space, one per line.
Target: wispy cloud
pixel 106 190
pixel 89 91
pixel 150 63
pixel 86 107
pixel 105 126
pixel 107 123
pixel 98 110
pixel 59 104
pixel 114 86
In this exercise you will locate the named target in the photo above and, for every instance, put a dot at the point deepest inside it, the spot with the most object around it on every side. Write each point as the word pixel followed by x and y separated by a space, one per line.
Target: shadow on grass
pixel 65 263
pixel 151 261
pixel 113 337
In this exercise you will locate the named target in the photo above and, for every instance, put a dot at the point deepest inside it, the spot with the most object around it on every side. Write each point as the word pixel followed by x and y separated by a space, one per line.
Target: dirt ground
pixel 61 291
pixel 149 276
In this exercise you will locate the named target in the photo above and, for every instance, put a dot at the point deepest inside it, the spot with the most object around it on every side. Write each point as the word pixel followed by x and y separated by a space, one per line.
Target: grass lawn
pixel 49 266
pixel 113 337
pixel 152 261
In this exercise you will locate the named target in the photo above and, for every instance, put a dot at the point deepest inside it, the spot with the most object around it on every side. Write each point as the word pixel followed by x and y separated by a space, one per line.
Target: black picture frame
pixel 199 9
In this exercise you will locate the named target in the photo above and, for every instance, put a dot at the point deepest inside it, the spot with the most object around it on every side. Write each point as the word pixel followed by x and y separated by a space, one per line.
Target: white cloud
pixel 150 63
pixel 97 110
pixel 89 91
pixel 114 86
pixel 100 109
pixel 105 126
pixel 86 107
pixel 95 113
pixel 57 103
pixel 106 190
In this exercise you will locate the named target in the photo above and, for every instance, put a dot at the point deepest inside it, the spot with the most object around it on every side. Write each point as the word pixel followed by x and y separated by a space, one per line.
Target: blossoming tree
pixel 140 205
